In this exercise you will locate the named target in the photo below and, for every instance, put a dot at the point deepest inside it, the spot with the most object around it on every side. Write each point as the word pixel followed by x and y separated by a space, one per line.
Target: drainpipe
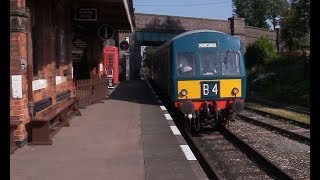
pixel 30 64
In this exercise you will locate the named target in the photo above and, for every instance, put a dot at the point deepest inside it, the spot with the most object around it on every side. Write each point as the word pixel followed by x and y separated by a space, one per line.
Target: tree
pixel 295 26
pixel 302 9
pixel 276 11
pixel 254 11
pixel 257 12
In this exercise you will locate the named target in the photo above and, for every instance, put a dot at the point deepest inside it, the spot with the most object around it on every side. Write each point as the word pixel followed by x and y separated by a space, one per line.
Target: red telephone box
pixel 111 63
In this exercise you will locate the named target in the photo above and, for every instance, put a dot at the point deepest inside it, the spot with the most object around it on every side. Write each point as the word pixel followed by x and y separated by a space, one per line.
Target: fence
pixel 91 91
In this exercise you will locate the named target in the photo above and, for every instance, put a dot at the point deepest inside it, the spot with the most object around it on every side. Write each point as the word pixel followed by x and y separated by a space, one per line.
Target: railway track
pixel 224 155
pixel 273 103
pixel 274 116
pixel 294 131
pixel 292 156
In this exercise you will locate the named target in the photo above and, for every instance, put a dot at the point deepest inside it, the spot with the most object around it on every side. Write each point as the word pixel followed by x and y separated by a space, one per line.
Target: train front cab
pixel 210 81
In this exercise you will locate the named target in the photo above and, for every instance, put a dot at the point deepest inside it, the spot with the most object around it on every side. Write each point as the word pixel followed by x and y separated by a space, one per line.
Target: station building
pixel 53 43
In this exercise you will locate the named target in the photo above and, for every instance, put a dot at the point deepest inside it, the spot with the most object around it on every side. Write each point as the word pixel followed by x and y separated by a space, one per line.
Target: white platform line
pixel 188 153
pixel 175 130
pixel 159 101
pixel 156 96
pixel 163 108
pixel 168 117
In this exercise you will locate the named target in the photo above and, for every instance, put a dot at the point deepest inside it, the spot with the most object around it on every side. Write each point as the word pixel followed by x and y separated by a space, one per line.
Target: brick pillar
pixel 18 70
pixel 237 29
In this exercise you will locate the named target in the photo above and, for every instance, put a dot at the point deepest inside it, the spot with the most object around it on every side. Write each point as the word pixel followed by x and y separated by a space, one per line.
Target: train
pixel 202 74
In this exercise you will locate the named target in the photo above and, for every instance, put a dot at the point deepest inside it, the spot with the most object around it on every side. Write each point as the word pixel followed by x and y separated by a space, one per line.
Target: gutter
pixel 126 6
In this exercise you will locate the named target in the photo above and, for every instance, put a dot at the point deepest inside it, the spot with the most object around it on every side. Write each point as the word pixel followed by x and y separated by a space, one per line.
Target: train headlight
pixel 184 92
pixel 235 91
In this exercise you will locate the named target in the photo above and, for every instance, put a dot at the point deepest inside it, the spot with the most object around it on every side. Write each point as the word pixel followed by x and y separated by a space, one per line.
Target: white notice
pixel 16 82
pixel 100 67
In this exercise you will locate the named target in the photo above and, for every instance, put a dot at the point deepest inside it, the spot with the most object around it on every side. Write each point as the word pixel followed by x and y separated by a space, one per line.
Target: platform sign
pixel 78 48
pixel 86 14
pixel 105 32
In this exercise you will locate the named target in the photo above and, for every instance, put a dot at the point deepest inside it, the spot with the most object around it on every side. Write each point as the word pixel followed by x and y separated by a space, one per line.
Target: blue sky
pixel 217 9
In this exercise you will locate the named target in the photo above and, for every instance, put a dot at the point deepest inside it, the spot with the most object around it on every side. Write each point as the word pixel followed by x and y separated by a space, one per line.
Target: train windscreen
pixel 209 64
pixel 186 64
pixel 230 63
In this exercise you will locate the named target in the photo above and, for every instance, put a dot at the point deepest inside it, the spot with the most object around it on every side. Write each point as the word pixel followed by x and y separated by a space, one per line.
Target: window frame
pixel 193 59
pixel 217 64
pixel 237 71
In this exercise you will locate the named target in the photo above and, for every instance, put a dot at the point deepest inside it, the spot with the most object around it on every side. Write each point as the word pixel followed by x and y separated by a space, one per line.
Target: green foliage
pixel 262 51
pixel 256 13
pixel 302 8
pixel 145 70
pixel 276 11
pixel 287 78
pixel 295 26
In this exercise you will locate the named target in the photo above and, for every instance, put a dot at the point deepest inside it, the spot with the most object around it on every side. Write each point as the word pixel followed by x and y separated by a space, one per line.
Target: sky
pixel 217 9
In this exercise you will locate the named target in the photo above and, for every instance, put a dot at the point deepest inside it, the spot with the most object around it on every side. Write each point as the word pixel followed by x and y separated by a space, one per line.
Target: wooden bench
pixel 62 95
pixel 14 123
pixel 47 122
pixel 42 104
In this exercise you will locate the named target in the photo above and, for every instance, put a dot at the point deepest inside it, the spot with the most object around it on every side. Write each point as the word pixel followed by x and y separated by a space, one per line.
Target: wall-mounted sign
pixel 78 48
pixel 86 14
pixel 16 85
pixel 105 32
pixel 207 45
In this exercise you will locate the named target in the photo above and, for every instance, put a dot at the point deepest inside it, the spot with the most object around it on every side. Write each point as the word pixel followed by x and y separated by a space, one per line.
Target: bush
pixel 262 51
pixel 265 80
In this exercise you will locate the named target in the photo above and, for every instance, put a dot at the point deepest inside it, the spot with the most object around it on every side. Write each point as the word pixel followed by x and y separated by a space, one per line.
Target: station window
pixel 209 64
pixel 230 63
pixel 186 64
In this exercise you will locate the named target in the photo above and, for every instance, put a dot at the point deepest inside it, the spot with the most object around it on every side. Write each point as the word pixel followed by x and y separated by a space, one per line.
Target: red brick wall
pixel 49 19
pixel 18 51
pixel 176 23
pixel 252 33
pixel 47 61
pixel 17 4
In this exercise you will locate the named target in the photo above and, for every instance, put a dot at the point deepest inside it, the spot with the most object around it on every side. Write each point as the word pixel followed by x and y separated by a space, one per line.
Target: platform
pixel 130 136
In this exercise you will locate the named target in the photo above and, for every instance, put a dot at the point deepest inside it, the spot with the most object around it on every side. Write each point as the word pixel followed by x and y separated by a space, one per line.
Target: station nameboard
pixel 86 14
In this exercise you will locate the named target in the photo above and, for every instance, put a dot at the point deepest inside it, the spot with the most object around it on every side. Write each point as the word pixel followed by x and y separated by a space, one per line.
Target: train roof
pixel 188 33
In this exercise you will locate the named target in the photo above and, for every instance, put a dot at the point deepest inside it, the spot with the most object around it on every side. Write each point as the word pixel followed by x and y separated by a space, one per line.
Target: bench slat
pixel 49 121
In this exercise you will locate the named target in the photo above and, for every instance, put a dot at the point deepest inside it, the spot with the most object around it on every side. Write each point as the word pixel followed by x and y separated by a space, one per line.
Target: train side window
pixel 230 63
pixel 209 64
pixel 186 64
